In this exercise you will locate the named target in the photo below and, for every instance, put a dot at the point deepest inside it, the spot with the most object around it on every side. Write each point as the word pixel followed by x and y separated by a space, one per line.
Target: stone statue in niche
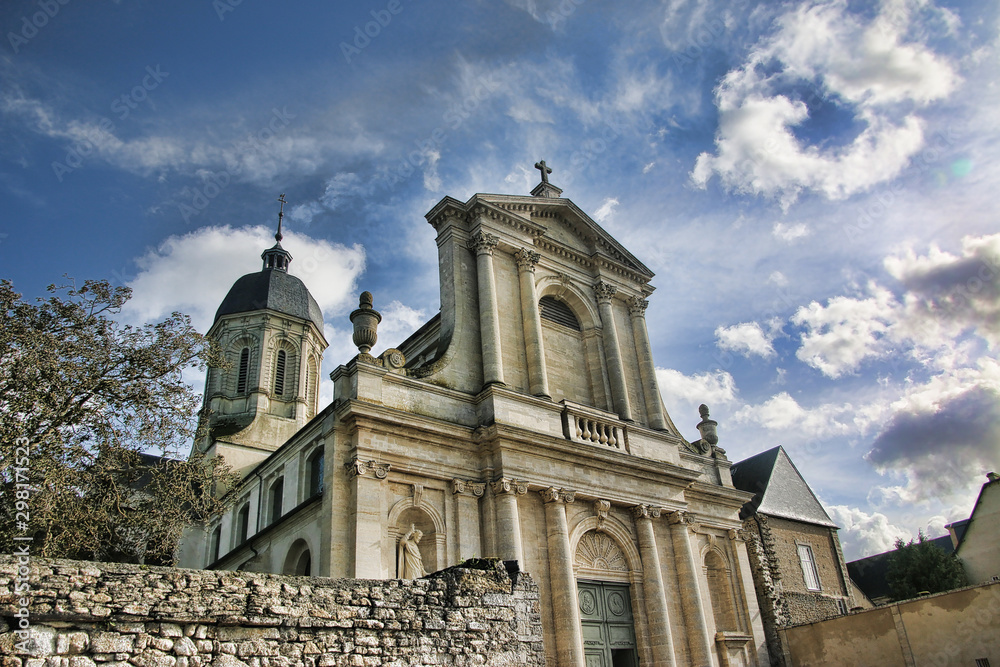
pixel 411 563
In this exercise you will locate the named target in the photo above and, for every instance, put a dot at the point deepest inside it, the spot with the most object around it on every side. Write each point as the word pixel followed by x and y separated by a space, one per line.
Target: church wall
pixel 512 346
pixel 82 613
pixel 570 371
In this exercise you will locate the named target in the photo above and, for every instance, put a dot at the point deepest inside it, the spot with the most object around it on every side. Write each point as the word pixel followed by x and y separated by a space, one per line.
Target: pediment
pixel 555 225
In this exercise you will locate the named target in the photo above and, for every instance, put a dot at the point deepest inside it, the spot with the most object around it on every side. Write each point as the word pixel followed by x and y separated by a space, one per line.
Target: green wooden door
pixel 608 627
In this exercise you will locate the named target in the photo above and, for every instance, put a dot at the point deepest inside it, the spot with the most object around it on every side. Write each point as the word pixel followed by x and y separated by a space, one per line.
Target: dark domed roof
pixel 275 290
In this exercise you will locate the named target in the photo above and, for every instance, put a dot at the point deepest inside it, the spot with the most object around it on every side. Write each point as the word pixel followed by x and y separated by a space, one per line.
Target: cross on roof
pixel 540 166
pixel 281 214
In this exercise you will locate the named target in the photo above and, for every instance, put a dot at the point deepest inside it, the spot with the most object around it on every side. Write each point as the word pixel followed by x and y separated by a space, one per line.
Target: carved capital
pixel 356 467
pixel 604 291
pixel 734 535
pixel 637 306
pixel 646 512
pixel 506 485
pixel 526 259
pixel 552 495
pixel 464 486
pixel 483 243
pixel 678 517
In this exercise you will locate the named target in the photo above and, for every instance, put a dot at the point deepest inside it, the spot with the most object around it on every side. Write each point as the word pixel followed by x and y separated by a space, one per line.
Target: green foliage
pixel 919 567
pixel 84 399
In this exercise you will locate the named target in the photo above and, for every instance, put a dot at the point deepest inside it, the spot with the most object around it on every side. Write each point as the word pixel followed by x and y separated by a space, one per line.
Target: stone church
pixel 522 422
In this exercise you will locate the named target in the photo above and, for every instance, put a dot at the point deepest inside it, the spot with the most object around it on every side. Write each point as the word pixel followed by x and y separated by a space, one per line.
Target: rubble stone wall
pixel 82 614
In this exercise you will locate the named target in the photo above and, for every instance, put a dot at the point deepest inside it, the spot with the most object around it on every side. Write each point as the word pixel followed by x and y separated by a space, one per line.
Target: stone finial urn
pixel 707 428
pixel 365 320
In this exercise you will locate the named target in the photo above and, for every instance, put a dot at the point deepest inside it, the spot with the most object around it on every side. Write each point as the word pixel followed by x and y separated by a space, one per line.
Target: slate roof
pixel 274 290
pixel 779 489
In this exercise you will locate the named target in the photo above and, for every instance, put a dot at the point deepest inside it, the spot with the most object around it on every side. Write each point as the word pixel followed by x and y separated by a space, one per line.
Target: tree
pixel 920 566
pixel 84 402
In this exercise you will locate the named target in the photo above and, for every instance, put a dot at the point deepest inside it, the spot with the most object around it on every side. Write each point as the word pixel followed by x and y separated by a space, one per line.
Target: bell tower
pixel 271 331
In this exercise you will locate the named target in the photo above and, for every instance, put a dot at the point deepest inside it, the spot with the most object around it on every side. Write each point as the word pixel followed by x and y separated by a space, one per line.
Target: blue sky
pixel 813 183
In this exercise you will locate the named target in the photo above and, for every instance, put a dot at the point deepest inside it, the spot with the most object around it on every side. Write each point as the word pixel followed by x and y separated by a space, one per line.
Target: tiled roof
pixel 779 489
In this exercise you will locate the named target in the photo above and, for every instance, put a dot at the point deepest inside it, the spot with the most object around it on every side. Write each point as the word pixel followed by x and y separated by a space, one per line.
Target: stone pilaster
pixel 647 370
pixel 612 351
pixel 489 317
pixel 366 478
pixel 660 636
pixel 699 643
pixel 538 383
pixel 467 495
pixel 508 522
pixel 562 582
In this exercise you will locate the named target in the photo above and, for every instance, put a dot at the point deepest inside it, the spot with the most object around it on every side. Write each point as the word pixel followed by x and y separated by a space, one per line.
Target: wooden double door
pixel 608 626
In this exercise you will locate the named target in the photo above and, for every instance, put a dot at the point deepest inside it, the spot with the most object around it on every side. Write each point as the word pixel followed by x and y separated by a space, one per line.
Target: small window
pixel 213 544
pixel 279 374
pixel 808 563
pixel 842 607
pixel 315 472
pixel 277 497
pixel 557 311
pixel 244 372
pixel 243 524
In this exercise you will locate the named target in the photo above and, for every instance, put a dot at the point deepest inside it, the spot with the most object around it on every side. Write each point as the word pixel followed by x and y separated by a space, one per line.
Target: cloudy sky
pixel 814 184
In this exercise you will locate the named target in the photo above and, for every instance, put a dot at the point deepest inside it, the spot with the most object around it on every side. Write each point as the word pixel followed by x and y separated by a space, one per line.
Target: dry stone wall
pixel 111 615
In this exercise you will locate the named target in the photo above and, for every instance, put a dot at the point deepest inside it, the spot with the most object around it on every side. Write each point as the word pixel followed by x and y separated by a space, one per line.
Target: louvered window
pixel 241 380
pixel 554 310
pixel 279 374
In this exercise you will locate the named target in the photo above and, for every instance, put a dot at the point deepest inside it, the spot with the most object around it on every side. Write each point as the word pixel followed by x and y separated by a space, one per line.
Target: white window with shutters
pixel 808 563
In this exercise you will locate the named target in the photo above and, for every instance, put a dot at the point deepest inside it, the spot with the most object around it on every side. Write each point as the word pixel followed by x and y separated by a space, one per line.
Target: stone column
pixel 647 370
pixel 562 582
pixel 612 350
pixel 538 383
pixel 660 637
pixel 489 316
pixel 367 478
pixel 467 495
pixel 508 524
pixel 699 643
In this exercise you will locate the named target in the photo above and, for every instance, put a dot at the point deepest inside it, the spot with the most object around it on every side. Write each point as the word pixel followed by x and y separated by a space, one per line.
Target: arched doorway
pixel 605 601
pixel 298 560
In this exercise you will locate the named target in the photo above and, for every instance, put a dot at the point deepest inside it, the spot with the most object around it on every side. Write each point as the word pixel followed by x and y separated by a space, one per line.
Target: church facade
pixel 523 422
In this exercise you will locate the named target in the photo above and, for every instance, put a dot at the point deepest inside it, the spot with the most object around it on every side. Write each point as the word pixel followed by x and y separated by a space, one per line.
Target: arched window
pixel 244 372
pixel 314 471
pixel 213 545
pixel 243 524
pixel 557 311
pixel 277 496
pixel 279 374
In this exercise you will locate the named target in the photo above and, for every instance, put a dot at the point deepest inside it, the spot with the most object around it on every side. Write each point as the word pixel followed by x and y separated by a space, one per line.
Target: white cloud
pixel 778 279
pixel 846 331
pixel 862 534
pixel 711 388
pixel 783 413
pixel 789 233
pixel 835 55
pixel 606 209
pixel 746 338
pixel 648 167
pixel 192 273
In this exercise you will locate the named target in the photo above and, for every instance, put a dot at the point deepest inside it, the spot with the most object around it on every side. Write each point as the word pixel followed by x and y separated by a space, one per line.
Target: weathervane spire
pixel 281 214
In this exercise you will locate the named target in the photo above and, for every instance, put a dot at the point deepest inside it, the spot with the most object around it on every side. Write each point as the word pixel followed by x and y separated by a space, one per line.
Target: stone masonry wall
pixel 110 615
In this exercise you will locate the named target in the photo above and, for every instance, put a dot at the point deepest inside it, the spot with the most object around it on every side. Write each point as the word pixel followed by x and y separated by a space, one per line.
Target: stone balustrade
pixel 584 424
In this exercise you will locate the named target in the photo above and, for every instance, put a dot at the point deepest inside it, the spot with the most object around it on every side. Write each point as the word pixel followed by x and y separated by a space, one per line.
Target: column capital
pixel 483 243
pixel 553 495
pixel 605 291
pixel 678 518
pixel 467 487
pixel 645 512
pixel 506 485
pixel 358 468
pixel 637 306
pixel 526 259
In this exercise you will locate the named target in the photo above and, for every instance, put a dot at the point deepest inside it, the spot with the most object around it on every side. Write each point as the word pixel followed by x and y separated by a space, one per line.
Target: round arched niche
pixel 718 575
pixel 298 560
pixel 603 555
pixel 422 521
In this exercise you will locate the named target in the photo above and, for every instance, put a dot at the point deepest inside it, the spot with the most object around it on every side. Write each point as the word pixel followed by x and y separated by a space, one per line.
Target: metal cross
pixel 540 166
pixel 281 214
